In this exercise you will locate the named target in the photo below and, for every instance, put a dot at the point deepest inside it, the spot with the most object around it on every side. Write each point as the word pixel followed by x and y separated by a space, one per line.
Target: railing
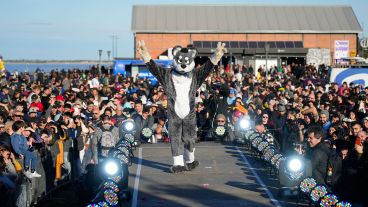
pixel 33 190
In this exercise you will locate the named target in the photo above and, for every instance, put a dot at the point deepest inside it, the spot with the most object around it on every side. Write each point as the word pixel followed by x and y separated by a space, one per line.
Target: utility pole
pixel 108 55
pixel 114 47
pixel 267 48
pixel 99 61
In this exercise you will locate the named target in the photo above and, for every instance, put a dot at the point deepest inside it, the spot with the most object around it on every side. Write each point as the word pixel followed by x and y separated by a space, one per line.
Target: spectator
pixel 105 138
pixel 10 162
pixel 160 131
pixel 365 123
pixel 23 148
pixel 293 106
pixel 279 118
pixel 325 120
pixel 221 121
pixel 317 153
pixel 5 135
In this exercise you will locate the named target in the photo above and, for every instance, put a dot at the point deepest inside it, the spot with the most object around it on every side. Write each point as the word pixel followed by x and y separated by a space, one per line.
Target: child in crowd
pixel 23 148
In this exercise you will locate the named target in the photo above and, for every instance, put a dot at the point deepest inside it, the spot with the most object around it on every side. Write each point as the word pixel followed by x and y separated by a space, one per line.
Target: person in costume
pixel 181 82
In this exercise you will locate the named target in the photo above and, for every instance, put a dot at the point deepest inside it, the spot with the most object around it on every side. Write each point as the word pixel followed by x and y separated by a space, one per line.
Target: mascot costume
pixel 181 82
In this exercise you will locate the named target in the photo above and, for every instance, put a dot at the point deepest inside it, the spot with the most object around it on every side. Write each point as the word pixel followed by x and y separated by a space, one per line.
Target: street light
pixel 99 61
pixel 267 48
pixel 108 55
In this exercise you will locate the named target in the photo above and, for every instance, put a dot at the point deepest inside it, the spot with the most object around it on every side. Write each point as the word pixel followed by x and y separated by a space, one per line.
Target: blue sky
pixel 76 29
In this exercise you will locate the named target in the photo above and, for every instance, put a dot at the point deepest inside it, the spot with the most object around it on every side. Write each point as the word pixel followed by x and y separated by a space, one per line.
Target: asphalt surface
pixel 227 176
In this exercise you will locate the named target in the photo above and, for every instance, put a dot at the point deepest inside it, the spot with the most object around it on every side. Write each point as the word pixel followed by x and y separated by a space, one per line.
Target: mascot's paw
pixel 177 169
pixel 220 51
pixel 191 166
pixel 143 51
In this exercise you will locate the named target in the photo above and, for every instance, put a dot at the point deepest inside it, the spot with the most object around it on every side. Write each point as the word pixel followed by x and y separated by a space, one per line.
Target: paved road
pixel 227 176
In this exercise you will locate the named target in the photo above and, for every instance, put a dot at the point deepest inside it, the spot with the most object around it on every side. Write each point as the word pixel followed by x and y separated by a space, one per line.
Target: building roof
pixel 243 19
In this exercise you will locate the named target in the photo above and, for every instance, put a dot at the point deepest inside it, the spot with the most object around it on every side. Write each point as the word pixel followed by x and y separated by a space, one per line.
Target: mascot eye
pixel 179 61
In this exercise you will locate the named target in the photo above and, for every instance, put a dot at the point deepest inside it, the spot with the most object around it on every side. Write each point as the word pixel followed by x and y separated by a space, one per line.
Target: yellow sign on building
pixel 353 53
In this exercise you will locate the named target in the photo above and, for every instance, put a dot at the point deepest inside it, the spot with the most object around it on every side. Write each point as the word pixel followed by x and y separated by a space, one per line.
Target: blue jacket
pixel 327 126
pixel 19 143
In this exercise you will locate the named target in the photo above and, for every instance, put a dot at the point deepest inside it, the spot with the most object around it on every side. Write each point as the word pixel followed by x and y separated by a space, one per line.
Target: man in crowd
pixel 317 153
pixel 105 138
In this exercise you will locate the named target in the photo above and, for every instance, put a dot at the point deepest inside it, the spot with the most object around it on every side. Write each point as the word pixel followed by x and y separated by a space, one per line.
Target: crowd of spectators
pixel 49 121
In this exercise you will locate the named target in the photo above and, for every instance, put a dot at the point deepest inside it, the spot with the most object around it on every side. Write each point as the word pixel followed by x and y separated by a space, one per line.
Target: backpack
pixel 334 167
pixel 106 142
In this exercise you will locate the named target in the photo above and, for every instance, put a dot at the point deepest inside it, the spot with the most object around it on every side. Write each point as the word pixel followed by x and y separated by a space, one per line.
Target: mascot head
pixel 184 58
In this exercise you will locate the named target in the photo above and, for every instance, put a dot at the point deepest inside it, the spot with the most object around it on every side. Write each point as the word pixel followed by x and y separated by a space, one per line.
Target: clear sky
pixel 76 29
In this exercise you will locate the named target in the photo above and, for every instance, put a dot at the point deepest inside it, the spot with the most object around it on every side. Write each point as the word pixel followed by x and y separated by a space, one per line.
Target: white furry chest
pixel 182 87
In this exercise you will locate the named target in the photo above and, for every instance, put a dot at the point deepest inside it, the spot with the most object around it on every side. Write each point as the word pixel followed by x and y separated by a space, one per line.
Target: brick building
pixel 289 31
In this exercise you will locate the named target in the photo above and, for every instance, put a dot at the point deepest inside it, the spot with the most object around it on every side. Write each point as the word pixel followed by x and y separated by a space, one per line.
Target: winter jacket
pixel 19 143
pixel 318 156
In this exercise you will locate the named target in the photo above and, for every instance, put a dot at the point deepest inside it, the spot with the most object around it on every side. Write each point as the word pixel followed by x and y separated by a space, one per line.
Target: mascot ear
pixel 176 49
pixel 193 51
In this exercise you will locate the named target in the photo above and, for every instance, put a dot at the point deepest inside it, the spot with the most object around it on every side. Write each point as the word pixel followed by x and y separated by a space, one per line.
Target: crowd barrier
pixel 32 190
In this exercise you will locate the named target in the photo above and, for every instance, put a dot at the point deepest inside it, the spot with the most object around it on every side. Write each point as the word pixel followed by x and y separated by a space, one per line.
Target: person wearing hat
pixel 231 98
pixel 106 137
pixel 4 106
pixel 60 98
pixel 325 120
pixel 32 112
pixel 36 102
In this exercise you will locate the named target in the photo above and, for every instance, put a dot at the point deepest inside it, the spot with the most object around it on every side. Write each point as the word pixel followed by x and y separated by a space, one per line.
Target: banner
pixel 341 49
pixel 349 75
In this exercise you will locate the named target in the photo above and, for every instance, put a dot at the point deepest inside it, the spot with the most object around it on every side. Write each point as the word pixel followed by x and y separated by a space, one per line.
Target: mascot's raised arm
pixel 180 83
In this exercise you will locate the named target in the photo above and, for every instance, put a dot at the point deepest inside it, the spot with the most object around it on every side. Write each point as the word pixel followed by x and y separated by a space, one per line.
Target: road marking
pixel 264 187
pixel 137 176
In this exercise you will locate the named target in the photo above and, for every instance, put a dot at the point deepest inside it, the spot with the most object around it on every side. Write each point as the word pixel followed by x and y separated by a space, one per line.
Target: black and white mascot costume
pixel 181 82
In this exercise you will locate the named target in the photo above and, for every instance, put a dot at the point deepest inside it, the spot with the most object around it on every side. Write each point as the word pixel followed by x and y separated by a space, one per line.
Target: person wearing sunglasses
pixel 220 121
